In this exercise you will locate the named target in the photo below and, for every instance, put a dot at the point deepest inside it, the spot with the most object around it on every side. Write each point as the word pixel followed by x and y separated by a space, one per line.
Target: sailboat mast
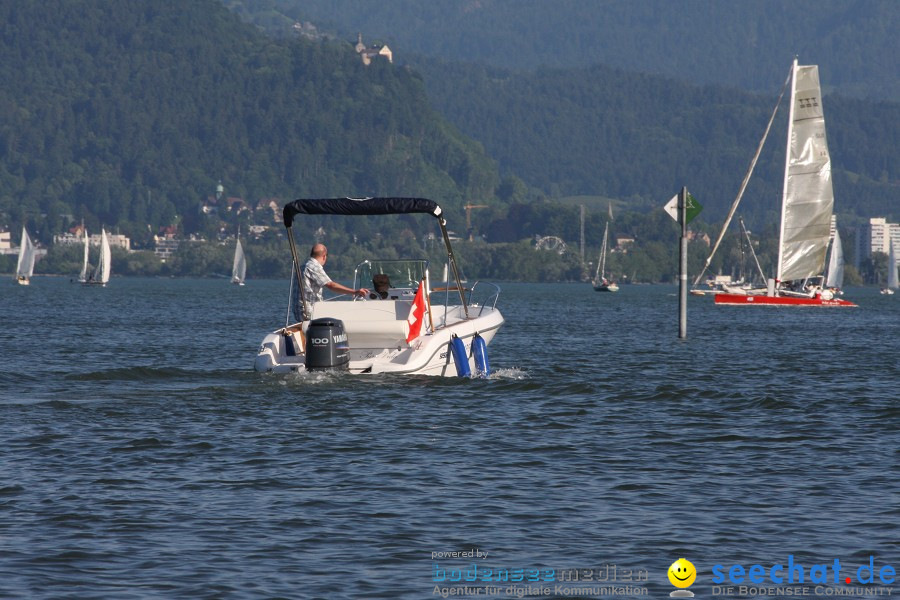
pixel 787 164
pixel 603 251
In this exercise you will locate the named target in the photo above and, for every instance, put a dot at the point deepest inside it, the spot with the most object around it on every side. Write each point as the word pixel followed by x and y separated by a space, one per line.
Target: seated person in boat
pixel 315 279
pixel 382 284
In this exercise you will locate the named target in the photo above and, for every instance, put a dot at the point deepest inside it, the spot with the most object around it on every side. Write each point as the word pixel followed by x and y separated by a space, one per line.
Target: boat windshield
pixel 400 273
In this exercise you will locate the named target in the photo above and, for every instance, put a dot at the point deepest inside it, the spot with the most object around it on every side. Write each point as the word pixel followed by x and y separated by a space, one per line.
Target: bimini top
pixel 358 206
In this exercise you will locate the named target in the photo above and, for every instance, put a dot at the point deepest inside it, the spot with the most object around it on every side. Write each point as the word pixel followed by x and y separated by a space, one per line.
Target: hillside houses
pixel 266 210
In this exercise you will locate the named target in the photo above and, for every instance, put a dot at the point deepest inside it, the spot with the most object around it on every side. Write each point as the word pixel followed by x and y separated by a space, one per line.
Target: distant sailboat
pixel 83 276
pixel 25 265
pixel 239 268
pixel 601 283
pixel 891 272
pixel 100 276
pixel 835 278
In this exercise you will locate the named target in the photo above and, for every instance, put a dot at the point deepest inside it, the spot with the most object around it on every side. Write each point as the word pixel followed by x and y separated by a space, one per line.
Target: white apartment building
pixel 882 234
pixel 115 240
pixel 877 236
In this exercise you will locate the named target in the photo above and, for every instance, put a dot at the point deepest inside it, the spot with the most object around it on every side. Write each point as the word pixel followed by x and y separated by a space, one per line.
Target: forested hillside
pixel 631 136
pixel 740 44
pixel 127 114
pixel 639 138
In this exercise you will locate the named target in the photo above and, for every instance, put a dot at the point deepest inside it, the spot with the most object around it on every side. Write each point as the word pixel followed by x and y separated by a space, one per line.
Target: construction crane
pixel 469 208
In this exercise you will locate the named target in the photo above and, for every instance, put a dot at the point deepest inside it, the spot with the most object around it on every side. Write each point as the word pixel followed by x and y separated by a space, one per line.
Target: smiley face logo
pixel 682 573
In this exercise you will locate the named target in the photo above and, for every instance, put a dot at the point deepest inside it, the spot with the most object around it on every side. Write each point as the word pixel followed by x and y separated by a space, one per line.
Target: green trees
pixel 638 138
pixel 129 113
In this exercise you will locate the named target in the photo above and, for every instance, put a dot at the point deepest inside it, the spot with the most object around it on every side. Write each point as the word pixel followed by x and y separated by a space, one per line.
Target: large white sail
pixel 101 273
pixel 836 263
pixel 82 277
pixel 808 197
pixel 105 257
pixel 239 268
pixel 25 264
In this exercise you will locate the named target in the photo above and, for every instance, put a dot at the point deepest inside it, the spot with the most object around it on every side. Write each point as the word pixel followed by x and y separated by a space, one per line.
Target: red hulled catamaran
pixel 806 207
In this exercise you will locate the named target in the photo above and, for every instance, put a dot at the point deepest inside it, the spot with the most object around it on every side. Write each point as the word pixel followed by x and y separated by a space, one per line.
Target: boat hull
pixel 760 300
pixel 427 355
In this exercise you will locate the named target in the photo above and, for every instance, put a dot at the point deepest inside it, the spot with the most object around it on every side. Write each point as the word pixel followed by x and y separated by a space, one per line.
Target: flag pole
pixel 427 295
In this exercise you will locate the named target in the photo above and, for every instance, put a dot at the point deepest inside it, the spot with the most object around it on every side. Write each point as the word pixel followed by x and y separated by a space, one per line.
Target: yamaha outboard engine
pixel 326 345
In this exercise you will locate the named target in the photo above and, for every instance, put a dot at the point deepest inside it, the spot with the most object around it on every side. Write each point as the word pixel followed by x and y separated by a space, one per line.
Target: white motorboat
pixel 404 326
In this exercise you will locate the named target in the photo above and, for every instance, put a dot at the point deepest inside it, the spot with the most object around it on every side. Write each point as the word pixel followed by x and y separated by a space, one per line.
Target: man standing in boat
pixel 315 279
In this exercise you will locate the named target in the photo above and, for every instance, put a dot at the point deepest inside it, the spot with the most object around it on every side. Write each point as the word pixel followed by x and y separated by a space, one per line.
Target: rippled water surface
pixel 143 458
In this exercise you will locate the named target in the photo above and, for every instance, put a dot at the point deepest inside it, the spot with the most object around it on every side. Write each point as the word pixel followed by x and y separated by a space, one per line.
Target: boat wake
pixel 513 373
pixel 327 377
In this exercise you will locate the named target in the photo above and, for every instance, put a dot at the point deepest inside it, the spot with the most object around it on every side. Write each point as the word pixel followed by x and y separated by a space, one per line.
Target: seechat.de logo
pixel 794 572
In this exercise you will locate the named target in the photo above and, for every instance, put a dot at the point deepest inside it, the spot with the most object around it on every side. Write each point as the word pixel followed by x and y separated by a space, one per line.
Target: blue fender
pixel 460 358
pixel 479 349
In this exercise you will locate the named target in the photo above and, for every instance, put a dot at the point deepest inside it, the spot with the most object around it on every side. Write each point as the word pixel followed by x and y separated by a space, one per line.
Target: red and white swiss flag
pixel 416 314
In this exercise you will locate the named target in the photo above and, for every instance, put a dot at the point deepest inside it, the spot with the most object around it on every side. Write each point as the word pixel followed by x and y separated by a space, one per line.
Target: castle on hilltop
pixel 368 54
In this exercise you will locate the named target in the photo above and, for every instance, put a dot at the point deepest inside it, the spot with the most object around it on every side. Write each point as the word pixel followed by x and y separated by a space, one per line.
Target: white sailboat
pixel 835 279
pixel 601 283
pixel 83 276
pixel 25 264
pixel 100 275
pixel 239 268
pixel 891 272
pixel 806 205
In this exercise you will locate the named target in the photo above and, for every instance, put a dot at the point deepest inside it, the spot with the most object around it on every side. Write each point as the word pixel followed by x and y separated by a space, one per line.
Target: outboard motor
pixel 326 345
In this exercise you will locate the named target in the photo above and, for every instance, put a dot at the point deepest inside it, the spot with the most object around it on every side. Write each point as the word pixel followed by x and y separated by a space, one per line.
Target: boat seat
pixel 371 324
pixel 294 341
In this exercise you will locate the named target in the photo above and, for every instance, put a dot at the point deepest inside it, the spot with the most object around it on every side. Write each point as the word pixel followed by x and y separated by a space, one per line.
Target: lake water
pixel 142 457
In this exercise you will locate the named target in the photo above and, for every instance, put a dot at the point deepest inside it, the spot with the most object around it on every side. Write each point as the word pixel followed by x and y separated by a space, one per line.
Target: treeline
pixel 650 258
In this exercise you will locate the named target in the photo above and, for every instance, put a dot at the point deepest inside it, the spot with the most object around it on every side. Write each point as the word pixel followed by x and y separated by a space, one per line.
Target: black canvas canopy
pixel 358 206
pixel 367 206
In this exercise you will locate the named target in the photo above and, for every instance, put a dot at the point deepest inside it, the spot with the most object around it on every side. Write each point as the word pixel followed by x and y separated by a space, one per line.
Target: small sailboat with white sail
pixel 239 267
pixel 25 264
pixel 601 282
pixel 835 279
pixel 100 274
pixel 806 205
pixel 85 265
pixel 888 290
